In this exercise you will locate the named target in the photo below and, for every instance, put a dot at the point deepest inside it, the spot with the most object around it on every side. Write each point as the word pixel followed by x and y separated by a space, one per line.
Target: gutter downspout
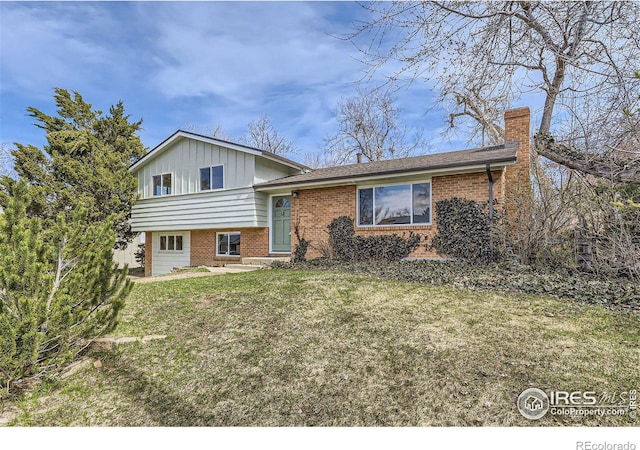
pixel 490 178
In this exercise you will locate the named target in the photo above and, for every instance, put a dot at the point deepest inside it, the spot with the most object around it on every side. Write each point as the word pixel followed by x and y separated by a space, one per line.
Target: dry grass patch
pixel 286 348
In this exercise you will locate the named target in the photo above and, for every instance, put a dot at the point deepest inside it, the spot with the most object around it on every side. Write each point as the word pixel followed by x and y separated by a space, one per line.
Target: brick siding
pixel 253 242
pixel 148 253
pixel 314 209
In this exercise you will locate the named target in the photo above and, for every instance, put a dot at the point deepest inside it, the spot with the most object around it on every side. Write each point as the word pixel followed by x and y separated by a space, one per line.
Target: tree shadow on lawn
pixel 164 406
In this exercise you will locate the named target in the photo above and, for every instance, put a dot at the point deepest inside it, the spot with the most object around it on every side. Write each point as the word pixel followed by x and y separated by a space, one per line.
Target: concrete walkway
pixel 231 268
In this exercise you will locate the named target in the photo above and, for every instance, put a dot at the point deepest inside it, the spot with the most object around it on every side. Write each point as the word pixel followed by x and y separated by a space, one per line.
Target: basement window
pixel 398 204
pixel 171 242
pixel 228 244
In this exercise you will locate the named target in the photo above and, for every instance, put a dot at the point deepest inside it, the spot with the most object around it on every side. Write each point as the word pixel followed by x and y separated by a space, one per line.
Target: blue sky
pixel 193 65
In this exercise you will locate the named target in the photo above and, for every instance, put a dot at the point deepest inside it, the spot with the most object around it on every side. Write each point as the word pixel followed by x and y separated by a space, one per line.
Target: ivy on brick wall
pixel 346 246
pixel 300 251
pixel 341 238
pixel 464 230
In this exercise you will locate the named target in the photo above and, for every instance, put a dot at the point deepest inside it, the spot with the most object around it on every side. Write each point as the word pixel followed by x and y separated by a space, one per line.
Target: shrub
pixel 385 248
pixel 464 230
pixel 139 254
pixel 58 286
pixel 346 246
pixel 324 248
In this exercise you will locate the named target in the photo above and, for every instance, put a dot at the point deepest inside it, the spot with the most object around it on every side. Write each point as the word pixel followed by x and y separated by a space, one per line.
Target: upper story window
pixel 402 204
pixel 211 178
pixel 162 184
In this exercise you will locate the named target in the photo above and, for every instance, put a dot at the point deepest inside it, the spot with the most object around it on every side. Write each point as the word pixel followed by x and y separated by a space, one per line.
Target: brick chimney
pixel 517 179
pixel 516 129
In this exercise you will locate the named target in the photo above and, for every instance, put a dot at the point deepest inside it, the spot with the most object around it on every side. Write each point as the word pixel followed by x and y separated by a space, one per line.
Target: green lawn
pixel 319 348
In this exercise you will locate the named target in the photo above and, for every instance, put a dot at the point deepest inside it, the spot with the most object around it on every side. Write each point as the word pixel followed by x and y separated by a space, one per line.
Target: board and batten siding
pixel 240 208
pixel 237 205
pixel 164 261
pixel 267 170
pixel 184 159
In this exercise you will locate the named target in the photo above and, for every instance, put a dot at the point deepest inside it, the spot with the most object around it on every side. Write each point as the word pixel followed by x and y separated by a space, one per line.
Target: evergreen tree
pixel 23 278
pixel 59 286
pixel 84 164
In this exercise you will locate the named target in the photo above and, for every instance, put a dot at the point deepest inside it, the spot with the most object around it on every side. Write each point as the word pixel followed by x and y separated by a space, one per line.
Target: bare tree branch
pixel 608 167
pixel 6 161
pixel 368 123
pixel 262 135
pixel 579 57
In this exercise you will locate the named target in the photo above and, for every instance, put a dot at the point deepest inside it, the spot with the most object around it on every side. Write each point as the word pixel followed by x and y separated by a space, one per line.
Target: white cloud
pixel 245 52
pixel 44 46
pixel 243 60
pixel 178 64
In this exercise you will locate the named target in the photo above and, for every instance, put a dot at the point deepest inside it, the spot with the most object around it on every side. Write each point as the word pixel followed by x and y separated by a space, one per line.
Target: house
pixel 197 203
pixel 205 201
pixel 533 403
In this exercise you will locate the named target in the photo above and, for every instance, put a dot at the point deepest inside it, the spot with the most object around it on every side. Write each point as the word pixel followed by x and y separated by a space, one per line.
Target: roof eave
pixel 431 170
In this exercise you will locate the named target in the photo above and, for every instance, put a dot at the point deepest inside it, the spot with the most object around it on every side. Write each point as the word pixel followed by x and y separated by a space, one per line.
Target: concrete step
pixel 266 261
pixel 244 267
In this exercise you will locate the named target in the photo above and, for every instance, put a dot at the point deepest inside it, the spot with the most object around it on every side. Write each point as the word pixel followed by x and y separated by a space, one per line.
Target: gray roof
pixel 498 154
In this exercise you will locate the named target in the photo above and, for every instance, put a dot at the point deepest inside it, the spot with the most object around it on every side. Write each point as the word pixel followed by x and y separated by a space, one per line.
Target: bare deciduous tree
pixel 6 161
pixel 262 135
pixel 484 56
pixel 314 160
pixel 217 132
pixel 368 123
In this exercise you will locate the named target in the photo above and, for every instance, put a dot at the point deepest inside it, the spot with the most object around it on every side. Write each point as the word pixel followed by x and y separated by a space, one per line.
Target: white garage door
pixel 170 249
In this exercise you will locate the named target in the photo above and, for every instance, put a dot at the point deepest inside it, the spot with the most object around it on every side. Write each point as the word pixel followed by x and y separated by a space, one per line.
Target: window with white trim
pixel 211 178
pixel 228 244
pixel 171 242
pixel 399 204
pixel 162 184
